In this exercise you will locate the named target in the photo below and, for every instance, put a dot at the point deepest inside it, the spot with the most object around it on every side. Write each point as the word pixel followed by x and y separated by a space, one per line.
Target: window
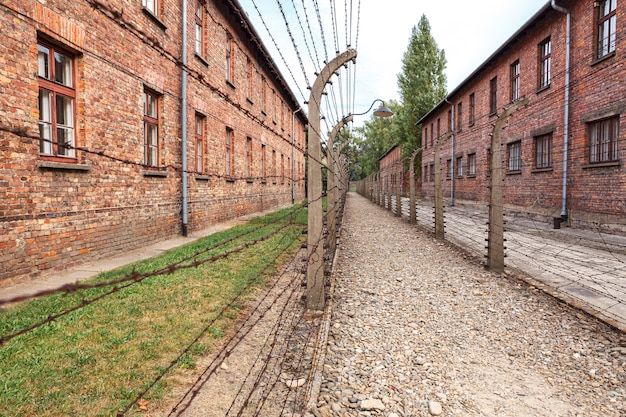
pixel 471 165
pixel 459 166
pixel 543 151
pixel 230 157
pixel 57 95
pixel 438 128
pixel 515 156
pixel 606 27
pixel 472 109
pixel 449 168
pixel 450 127
pixel 273 166
pixel 282 168
pixel 459 117
pixel 426 136
pixel 249 157
pixel 493 95
pixel 603 140
pixel 545 56
pixel 199 45
pixel 425 175
pixel 230 62
pixel 263 164
pixel 432 134
pixel 199 143
pixel 274 106
pixel 151 5
pixel 150 128
pixel 432 172
pixel 249 78
pixel 515 81
pixel 263 94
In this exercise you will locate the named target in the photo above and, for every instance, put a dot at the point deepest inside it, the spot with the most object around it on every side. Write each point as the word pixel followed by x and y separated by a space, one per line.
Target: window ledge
pixel 249 100
pixel 229 179
pixel 66 166
pixel 230 84
pixel 541 89
pixel 493 113
pixel 263 181
pixel 516 172
pixel 537 170
pixel 154 173
pixel 263 113
pixel 154 17
pixel 471 176
pixel 602 165
pixel 202 177
pixel 604 58
pixel 201 59
pixel 250 180
pixel 459 176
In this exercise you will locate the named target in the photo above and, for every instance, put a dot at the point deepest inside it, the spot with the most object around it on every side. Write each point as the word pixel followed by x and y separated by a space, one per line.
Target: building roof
pixel 389 150
pixel 520 32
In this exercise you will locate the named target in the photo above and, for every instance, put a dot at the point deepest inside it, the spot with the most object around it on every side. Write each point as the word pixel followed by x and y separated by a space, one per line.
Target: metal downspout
pixel 293 161
pixel 184 119
pixel 566 106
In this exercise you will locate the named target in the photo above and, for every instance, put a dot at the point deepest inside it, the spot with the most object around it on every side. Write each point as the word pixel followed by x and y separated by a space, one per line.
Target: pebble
pixel 412 334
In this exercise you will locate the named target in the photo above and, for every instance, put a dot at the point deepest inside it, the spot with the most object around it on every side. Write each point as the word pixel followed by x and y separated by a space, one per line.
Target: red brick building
pixel 553 167
pixel 92 95
pixel 390 167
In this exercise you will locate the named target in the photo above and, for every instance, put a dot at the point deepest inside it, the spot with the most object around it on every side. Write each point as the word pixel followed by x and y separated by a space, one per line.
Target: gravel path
pixel 419 329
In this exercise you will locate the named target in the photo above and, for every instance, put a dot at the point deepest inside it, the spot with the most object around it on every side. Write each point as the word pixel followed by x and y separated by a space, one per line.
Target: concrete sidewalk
pixel 88 270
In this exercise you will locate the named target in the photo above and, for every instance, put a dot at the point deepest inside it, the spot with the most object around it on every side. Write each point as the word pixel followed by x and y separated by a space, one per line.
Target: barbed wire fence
pixel 285 356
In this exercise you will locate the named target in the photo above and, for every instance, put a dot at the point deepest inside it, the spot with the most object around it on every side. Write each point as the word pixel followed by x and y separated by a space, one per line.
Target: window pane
pixel 65 139
pixel 198 39
pixel 63 69
pixel 150 105
pixel 43 60
pixel 65 112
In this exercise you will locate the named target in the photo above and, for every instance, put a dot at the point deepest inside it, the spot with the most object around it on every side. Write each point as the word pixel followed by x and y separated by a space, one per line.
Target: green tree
pixel 422 84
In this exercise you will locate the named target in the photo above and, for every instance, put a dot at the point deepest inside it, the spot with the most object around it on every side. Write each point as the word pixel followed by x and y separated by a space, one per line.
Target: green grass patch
pixel 95 361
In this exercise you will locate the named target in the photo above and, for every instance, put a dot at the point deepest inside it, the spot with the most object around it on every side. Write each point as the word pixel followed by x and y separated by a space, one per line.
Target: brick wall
pixel 595 193
pixel 56 212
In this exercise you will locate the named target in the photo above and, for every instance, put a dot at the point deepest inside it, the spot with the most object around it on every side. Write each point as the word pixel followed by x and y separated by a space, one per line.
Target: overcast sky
pixel 469 31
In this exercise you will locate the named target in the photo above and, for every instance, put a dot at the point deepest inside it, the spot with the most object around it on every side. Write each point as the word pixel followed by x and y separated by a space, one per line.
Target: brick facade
pixel 533 184
pixel 59 211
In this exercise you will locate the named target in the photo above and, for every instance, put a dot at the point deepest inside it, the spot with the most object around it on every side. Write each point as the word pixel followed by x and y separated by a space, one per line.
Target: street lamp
pixel 382 111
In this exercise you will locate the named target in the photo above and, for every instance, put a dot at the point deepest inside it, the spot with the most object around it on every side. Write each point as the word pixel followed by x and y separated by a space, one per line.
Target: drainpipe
pixel 452 161
pixel 566 107
pixel 293 161
pixel 183 115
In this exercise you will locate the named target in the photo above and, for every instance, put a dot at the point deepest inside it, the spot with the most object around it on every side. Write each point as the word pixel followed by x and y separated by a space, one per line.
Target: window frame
pixel 493 96
pixel 249 79
pixel 543 151
pixel 249 161
pixel 200 124
pixel 459 116
pixel 230 60
pixel 155 6
pixel 151 160
pixel 449 168
pixel 608 146
pixel 606 45
pixel 514 156
pixel 472 109
pixel 273 166
pixel 199 44
pixel 229 153
pixel 471 164
pixel 459 166
pixel 515 81
pixel 263 163
pixel 50 148
pixel 545 64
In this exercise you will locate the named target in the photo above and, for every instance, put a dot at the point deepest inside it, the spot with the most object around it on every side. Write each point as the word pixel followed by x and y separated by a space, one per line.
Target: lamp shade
pixel 383 111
